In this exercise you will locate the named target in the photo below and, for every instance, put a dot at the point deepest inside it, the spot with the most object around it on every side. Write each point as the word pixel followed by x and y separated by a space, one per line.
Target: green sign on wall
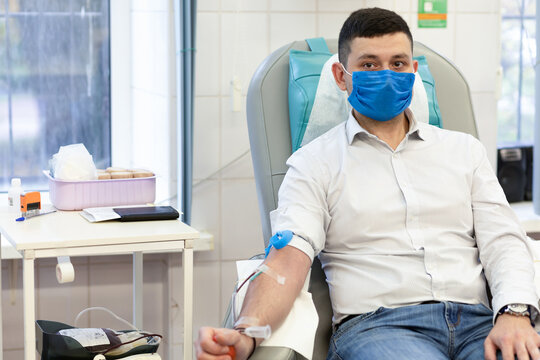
pixel 432 13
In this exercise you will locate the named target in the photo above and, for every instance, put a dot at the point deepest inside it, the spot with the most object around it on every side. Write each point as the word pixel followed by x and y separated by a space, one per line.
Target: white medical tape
pixel 268 271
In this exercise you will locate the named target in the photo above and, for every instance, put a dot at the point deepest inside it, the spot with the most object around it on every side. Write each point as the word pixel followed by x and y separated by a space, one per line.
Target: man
pixel 408 220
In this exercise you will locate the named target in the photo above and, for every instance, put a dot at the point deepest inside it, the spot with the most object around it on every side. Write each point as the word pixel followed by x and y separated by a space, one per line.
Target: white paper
pixel 104 213
pixel 297 332
pixel 87 337
pixel 99 214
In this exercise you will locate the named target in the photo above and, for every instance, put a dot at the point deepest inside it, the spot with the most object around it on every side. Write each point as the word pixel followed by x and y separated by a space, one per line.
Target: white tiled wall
pixel 233 36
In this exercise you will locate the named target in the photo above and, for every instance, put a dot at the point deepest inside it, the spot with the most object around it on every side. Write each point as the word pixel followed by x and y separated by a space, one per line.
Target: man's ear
pixel 415 65
pixel 339 75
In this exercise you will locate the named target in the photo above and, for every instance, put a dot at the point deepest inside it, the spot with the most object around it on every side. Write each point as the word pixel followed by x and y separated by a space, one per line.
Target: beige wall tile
pixel 477 51
pixel 296 5
pixel 288 27
pixel 206 295
pixel 206 137
pixel 384 4
pixel 329 25
pixel 15 354
pixel 485 111
pixel 208 55
pixel 405 6
pixel 481 6
pixel 441 40
pixel 12 307
pixel 112 288
pixel 244 5
pixel 205 216
pixel 244 42
pixel 234 132
pixel 342 5
pixel 208 5
pixel 239 169
pixel 153 290
pixel 61 302
pixel 240 224
pixel 228 282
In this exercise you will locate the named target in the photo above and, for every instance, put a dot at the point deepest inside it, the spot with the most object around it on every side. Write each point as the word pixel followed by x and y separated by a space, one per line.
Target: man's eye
pixel 399 64
pixel 369 65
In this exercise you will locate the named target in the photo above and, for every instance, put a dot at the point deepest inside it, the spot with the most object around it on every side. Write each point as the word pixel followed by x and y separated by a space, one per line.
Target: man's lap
pixel 427 331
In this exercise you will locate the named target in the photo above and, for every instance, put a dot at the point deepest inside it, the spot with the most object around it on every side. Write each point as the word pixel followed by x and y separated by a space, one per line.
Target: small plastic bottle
pixel 14 195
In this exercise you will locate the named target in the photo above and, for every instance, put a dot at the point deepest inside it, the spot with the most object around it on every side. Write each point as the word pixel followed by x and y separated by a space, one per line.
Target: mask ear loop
pixel 343 66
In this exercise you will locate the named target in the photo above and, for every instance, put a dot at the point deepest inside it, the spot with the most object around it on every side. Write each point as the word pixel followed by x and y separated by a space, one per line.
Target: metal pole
pixel 536 151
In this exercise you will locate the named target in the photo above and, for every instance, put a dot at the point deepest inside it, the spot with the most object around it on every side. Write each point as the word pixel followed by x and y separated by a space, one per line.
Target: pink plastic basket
pixel 77 195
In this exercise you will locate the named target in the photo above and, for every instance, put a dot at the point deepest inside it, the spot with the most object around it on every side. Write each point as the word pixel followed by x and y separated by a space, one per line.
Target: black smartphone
pixel 144 213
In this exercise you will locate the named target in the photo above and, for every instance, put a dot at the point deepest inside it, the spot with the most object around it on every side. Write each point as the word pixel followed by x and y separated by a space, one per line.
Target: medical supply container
pixel 78 195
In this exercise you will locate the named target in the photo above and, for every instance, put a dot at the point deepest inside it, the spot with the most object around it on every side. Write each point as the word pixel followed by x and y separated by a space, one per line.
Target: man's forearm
pixel 268 301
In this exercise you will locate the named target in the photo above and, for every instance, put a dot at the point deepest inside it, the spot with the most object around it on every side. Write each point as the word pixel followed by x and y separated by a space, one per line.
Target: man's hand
pixel 214 344
pixel 513 335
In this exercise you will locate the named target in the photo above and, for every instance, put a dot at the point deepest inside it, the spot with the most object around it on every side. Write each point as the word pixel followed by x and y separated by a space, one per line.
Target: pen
pixel 22 218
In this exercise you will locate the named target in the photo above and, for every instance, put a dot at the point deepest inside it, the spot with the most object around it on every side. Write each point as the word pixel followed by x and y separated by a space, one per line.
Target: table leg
pixel 29 306
pixel 138 289
pixel 187 263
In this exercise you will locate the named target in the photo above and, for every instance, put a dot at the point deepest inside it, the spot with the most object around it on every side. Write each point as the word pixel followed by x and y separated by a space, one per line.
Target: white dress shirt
pixel 425 222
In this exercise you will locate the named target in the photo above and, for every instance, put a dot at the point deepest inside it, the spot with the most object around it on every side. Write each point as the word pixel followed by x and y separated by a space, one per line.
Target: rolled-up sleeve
pixel 507 262
pixel 302 206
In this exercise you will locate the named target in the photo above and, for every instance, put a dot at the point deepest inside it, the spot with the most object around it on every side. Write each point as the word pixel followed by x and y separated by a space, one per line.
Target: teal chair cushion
pixel 429 84
pixel 304 73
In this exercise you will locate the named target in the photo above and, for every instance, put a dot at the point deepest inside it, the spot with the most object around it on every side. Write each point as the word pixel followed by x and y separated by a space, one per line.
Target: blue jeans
pixel 436 331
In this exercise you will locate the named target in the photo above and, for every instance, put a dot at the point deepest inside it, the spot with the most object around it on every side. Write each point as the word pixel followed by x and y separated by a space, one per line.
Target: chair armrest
pixel 275 353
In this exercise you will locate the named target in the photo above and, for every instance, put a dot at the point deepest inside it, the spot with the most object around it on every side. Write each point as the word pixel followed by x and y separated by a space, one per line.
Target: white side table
pixel 69 234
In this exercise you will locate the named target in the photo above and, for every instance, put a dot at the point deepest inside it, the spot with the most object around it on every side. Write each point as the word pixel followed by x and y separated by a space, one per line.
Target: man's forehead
pixel 395 44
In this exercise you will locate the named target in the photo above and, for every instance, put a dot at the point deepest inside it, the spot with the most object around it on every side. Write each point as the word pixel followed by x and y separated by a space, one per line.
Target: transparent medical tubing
pixel 106 310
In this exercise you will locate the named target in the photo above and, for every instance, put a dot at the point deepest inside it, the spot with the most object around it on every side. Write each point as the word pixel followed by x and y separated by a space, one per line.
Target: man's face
pixel 387 52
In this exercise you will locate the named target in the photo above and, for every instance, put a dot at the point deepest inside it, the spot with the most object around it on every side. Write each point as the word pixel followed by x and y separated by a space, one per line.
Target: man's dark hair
pixel 369 23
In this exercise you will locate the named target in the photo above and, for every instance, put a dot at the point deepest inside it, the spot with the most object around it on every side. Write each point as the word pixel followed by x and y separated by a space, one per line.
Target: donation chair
pixel 269 135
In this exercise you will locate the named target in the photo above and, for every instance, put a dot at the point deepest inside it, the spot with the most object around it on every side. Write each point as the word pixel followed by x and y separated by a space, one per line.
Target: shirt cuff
pixel 303 246
pixel 498 305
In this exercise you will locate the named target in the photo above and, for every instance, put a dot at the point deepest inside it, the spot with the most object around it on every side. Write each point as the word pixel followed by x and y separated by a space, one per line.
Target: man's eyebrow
pixel 375 57
pixel 367 56
pixel 400 56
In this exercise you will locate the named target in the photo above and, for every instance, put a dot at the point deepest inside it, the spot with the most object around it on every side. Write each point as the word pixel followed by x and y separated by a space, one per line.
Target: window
pixel 54 84
pixel 518 56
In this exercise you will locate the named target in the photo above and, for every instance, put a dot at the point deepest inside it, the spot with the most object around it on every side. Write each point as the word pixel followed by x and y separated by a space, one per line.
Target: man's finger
pixel 226 337
pixel 507 351
pixel 532 347
pixel 490 350
pixel 522 352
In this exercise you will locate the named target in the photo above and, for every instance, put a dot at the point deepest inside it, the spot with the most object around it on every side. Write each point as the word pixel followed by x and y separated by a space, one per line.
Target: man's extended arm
pixel 266 300
pixel 507 263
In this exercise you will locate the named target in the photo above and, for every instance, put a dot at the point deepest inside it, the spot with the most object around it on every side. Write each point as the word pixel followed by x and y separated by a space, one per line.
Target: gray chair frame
pixel 269 135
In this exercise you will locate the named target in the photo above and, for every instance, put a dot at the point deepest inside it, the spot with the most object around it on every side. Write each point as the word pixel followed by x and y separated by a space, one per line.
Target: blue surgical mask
pixel 381 95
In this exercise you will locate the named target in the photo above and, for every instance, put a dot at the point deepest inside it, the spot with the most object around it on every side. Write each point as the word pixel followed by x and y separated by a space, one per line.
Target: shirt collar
pixel 353 128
